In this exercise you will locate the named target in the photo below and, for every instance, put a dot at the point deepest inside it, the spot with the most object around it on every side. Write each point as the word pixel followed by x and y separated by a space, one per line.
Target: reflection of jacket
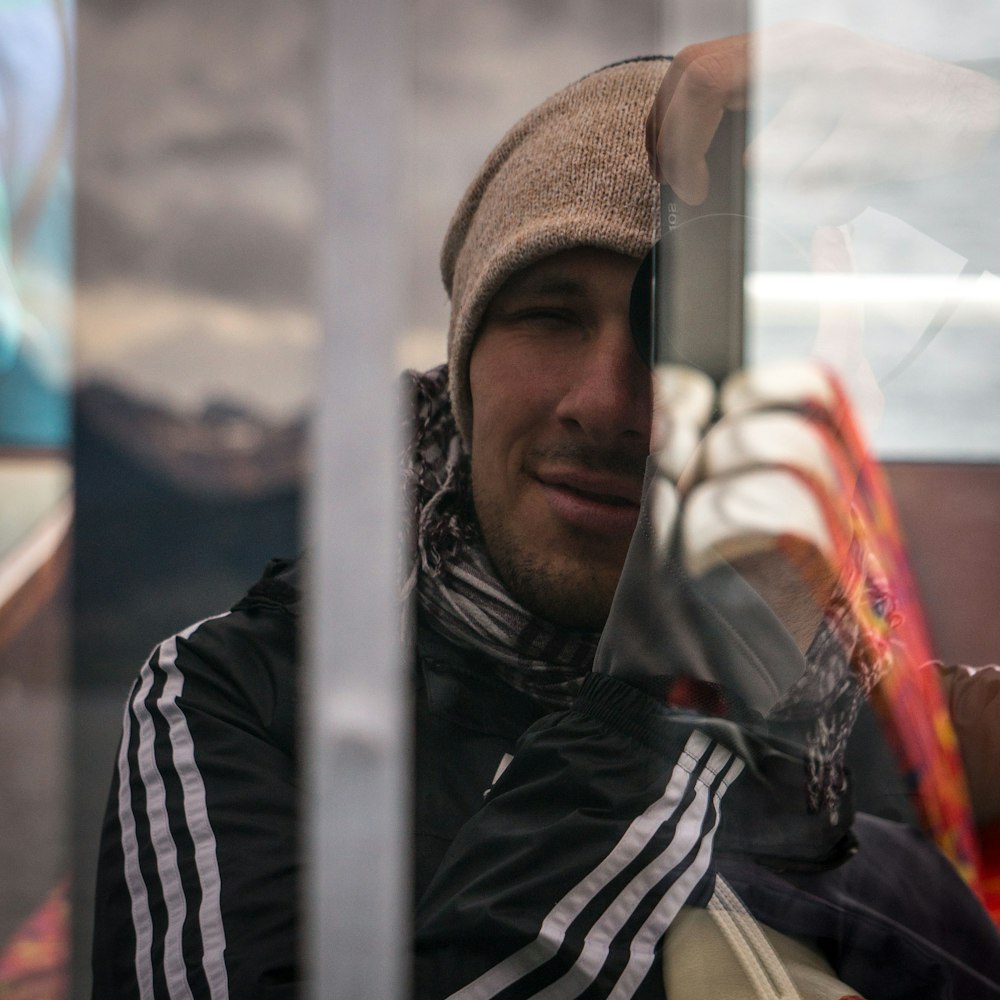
pixel 597 824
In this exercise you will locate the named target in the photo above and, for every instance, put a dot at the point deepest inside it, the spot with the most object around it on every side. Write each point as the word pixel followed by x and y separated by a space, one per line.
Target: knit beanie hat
pixel 571 173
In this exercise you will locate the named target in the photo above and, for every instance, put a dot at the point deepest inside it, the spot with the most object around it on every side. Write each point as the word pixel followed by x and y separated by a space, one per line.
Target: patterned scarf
pixel 454 581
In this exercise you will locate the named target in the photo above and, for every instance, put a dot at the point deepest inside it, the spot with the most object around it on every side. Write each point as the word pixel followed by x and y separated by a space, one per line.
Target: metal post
pixel 356 820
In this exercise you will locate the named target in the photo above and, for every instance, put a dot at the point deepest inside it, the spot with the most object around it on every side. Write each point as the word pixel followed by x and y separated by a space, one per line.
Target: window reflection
pixel 196 327
pixel 35 489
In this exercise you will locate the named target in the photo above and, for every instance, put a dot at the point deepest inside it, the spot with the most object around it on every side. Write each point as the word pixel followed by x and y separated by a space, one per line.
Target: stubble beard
pixel 564 590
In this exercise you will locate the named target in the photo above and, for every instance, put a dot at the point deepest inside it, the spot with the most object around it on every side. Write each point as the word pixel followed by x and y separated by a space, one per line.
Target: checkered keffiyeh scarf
pixel 454 581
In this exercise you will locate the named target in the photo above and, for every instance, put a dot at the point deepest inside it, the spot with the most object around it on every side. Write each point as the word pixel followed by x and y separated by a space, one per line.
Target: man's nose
pixel 609 388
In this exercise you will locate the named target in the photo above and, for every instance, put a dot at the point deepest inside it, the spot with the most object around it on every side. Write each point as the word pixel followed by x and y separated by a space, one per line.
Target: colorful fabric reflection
pixel 35 222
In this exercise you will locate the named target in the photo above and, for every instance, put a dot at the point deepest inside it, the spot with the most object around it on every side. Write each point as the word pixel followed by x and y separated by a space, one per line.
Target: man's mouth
pixel 596 502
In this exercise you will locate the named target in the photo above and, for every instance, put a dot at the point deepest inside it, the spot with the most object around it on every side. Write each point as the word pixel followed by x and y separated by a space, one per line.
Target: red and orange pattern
pixel 893 646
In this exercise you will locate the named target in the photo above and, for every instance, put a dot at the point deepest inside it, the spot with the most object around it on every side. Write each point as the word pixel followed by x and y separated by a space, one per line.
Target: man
pixel 607 810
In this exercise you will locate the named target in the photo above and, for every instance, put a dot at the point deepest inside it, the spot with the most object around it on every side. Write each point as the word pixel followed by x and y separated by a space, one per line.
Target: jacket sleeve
pixel 598 831
pixel 196 886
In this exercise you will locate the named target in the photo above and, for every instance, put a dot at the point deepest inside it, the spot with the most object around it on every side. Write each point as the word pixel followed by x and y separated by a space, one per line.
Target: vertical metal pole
pixel 357 899
pixel 700 267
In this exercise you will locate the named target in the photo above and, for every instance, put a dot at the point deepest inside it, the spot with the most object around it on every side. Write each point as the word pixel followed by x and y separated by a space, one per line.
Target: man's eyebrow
pixel 544 283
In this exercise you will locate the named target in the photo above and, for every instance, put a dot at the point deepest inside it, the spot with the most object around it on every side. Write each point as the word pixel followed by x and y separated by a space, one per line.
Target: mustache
pixel 615 461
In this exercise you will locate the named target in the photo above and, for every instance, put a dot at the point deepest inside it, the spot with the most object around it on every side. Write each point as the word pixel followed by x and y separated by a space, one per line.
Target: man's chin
pixel 565 594
pixel 565 576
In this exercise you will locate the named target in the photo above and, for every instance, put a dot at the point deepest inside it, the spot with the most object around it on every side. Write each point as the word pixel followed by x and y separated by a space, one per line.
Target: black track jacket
pixel 552 850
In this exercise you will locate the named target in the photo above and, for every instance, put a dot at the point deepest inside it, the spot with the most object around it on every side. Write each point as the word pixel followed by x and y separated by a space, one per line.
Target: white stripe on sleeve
pixel 638 835
pixel 690 833
pixel 161 838
pixel 643 950
pixel 213 934
pixel 142 921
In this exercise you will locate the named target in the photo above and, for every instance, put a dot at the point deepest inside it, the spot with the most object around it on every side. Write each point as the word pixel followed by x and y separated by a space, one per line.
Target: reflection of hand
pixel 753 591
pixel 770 494
pixel 748 536
pixel 749 591
pixel 850 112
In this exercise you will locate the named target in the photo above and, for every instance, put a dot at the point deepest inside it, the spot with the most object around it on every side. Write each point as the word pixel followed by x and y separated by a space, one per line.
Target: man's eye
pixel 546 317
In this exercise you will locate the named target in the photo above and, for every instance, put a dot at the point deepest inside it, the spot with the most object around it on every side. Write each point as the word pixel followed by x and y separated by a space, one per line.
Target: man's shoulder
pixel 252 649
pixel 280 587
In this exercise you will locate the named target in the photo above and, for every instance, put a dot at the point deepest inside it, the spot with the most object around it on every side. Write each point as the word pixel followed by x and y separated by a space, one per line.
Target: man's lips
pixel 602 487
pixel 598 502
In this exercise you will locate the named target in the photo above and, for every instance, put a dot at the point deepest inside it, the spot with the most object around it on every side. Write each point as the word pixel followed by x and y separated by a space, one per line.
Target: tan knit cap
pixel 573 172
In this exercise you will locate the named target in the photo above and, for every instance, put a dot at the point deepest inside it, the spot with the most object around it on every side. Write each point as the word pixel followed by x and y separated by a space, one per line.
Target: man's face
pixel 560 432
